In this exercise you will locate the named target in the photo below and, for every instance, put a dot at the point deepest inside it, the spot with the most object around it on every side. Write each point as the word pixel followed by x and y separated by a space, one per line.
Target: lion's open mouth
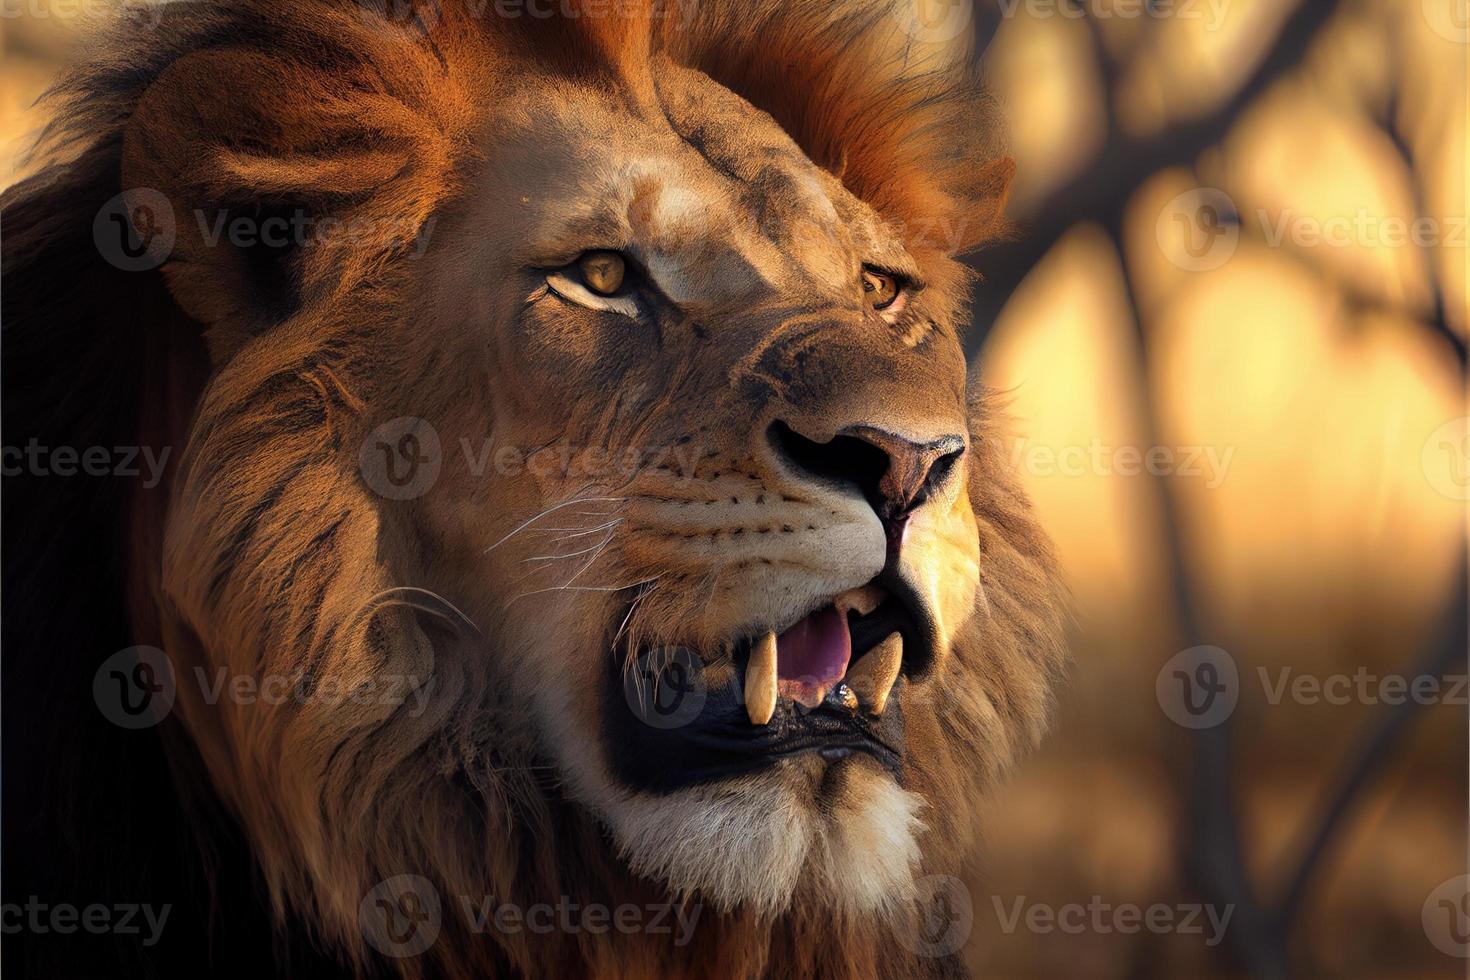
pixel 848 653
pixel 830 683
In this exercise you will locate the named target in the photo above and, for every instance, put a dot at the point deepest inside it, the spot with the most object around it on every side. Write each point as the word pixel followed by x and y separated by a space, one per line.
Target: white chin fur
pixel 753 843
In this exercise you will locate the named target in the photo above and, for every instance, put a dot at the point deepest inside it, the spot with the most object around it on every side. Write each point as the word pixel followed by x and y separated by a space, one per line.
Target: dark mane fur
pixel 95 356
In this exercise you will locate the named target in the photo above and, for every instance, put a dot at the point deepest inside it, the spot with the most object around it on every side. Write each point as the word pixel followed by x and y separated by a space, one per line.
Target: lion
pixel 575 494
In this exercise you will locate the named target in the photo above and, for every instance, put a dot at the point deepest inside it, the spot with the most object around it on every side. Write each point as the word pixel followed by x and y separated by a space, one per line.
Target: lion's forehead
pixel 711 244
pixel 782 200
pixel 716 201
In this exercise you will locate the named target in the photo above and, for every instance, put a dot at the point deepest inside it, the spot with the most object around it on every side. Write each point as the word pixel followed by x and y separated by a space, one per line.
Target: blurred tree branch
pixel 1214 856
pixel 1125 162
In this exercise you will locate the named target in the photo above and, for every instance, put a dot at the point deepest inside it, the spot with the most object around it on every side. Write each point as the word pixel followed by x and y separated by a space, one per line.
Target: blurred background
pixel 1231 326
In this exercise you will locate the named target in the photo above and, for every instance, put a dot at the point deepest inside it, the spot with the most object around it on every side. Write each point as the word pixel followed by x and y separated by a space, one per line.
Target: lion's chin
pixel 843 832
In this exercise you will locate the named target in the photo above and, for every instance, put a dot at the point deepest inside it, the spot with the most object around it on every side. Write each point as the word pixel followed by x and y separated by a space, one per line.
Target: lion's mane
pixel 330 104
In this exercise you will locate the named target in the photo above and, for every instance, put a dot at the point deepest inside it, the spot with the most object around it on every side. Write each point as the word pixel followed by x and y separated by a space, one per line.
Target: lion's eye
pixel 603 272
pixel 600 279
pixel 880 289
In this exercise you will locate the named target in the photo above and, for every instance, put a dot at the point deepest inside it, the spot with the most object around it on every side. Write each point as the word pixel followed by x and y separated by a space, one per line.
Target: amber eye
pixel 879 289
pixel 603 272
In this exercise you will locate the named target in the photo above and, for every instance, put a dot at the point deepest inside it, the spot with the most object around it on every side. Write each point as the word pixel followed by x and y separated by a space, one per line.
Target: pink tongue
pixel 812 656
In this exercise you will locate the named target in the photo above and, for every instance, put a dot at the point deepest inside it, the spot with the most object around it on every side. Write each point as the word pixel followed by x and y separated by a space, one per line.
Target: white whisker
pixel 550 510
pixel 573 554
pixel 390 597
pixel 591 530
pixel 632 607
pixel 586 588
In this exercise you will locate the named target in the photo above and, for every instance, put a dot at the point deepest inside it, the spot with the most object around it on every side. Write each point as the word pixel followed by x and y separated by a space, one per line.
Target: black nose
pixel 894 473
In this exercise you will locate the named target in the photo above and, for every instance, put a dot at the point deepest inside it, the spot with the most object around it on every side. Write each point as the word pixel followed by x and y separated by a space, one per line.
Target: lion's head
pixel 607 403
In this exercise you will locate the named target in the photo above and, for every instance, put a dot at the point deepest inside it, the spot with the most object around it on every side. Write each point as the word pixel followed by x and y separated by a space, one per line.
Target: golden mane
pixel 377 114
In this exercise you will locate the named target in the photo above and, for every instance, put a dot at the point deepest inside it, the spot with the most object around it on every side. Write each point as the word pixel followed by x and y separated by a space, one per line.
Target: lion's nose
pixel 894 472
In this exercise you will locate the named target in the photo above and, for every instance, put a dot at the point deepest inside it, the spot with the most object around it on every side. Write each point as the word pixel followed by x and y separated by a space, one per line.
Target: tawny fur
pixel 269 555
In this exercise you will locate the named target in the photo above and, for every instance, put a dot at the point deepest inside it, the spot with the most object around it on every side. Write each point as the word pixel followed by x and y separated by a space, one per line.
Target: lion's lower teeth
pixel 871 678
pixel 875 673
pixel 760 680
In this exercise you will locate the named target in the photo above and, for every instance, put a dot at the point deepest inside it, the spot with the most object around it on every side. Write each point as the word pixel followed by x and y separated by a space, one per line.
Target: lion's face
pixel 757 437
pixel 715 547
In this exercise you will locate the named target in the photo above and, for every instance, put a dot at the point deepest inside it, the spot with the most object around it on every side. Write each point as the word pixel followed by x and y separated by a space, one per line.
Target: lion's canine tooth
pixel 875 673
pixel 861 600
pixel 760 680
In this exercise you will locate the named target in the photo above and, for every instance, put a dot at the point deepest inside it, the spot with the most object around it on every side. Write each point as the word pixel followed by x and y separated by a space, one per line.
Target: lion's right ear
pixel 288 182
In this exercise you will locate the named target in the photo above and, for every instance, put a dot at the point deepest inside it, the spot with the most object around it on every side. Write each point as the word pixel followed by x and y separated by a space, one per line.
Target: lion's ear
pixel 287 182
